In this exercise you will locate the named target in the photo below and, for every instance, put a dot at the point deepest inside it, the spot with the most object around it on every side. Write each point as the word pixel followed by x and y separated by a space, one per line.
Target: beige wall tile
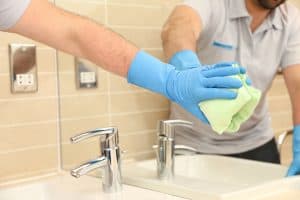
pixel 139 121
pixel 120 84
pixel 296 3
pixel 28 136
pixel 83 106
pixel 279 104
pixel 7 38
pixel 278 87
pixel 146 2
pixel 91 9
pixel 24 111
pixel 28 161
pixel 281 121
pixel 70 128
pixel 137 102
pixel 66 62
pixel 158 54
pixel 127 15
pixel 144 38
pixel 75 154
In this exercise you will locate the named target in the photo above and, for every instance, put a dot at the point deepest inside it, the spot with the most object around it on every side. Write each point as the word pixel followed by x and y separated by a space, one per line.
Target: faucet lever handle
pixel 107 132
pixel 166 127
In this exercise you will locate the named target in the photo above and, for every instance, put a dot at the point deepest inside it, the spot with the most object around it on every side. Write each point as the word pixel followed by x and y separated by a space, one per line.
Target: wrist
pixel 185 59
pixel 149 72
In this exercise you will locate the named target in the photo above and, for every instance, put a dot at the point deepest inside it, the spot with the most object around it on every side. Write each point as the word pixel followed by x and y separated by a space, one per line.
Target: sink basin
pixel 205 176
pixel 54 187
pixel 65 187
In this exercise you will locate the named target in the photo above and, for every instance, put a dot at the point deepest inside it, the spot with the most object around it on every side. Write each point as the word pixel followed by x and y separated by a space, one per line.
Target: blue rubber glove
pixel 187 88
pixel 187 59
pixel 294 168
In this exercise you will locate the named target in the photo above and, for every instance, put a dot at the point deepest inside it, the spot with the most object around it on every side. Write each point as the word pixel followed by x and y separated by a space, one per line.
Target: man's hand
pixel 187 87
pixel 294 168
pixel 187 59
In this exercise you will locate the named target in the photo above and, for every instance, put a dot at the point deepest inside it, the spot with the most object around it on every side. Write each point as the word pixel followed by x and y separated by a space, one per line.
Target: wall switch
pixel 86 74
pixel 23 69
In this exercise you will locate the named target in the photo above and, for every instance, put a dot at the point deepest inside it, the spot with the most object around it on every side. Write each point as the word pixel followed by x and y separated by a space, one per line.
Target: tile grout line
pixel 108 74
pixel 58 127
pixel 28 148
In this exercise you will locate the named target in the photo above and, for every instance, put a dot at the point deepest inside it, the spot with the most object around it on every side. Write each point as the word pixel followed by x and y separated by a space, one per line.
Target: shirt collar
pixel 276 18
pixel 237 9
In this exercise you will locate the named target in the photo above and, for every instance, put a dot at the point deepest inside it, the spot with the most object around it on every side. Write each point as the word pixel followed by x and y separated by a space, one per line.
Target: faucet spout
pixel 89 166
pixel 165 148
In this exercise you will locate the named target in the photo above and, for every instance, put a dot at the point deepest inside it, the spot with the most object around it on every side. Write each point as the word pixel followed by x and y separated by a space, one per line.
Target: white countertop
pixel 64 187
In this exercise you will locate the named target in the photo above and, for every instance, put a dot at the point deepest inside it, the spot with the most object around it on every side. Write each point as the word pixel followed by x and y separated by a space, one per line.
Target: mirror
pixel 113 102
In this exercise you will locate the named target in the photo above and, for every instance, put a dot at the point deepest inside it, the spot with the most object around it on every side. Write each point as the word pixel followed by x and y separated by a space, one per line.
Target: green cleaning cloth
pixel 228 115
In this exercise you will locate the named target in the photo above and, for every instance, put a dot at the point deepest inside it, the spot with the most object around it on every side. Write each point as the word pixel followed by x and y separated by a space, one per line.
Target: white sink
pixel 55 187
pixel 205 176
pixel 65 187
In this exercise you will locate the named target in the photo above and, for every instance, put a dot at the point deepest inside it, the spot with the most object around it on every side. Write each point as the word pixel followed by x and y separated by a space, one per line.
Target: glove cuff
pixel 296 139
pixel 149 72
pixel 185 59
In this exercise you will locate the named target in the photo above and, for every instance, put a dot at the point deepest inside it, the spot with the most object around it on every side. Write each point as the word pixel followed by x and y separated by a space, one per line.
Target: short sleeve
pixel 203 7
pixel 291 54
pixel 11 11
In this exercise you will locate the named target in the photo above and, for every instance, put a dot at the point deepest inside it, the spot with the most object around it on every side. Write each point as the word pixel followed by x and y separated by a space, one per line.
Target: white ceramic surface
pixel 283 189
pixel 205 176
pixel 65 187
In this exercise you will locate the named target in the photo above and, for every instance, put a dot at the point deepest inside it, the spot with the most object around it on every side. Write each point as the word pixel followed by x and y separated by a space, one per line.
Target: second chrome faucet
pixel 166 148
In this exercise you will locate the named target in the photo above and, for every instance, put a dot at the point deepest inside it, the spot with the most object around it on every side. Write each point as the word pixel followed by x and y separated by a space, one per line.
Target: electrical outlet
pixel 25 79
pixel 23 68
pixel 87 77
pixel 86 74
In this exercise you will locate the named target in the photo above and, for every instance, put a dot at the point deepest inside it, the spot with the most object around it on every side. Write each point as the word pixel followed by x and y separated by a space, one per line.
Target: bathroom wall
pixel 30 129
pixel 28 122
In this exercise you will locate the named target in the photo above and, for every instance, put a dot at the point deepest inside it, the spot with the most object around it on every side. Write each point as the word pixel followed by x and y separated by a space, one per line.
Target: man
pixel 258 34
pixel 42 21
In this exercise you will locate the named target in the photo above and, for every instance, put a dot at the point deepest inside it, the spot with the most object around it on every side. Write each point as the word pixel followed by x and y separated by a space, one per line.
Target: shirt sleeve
pixel 291 55
pixel 203 7
pixel 11 11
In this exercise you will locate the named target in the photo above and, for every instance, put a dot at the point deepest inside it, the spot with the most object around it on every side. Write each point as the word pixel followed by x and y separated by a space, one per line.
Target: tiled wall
pixel 28 122
pixel 29 126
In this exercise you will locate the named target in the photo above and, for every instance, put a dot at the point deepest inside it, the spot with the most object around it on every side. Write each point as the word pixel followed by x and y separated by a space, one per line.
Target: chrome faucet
pixel 165 148
pixel 109 160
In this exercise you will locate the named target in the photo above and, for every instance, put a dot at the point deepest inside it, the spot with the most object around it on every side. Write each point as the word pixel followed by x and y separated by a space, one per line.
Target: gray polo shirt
pixel 11 11
pixel 226 36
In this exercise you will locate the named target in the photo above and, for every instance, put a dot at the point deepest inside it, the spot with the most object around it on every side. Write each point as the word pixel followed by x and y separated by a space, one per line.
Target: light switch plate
pixel 23 68
pixel 86 74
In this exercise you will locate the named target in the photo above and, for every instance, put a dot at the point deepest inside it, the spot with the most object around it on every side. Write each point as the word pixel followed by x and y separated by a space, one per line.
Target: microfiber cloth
pixel 228 115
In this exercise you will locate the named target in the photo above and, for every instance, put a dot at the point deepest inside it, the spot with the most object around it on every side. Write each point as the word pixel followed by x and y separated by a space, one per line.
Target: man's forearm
pixel 181 31
pixel 76 35
pixel 296 107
